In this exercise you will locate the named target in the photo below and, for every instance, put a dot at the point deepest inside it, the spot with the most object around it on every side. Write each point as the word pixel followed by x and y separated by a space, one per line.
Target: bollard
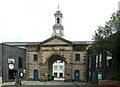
pixel 0 81
pixel 20 82
pixel 17 81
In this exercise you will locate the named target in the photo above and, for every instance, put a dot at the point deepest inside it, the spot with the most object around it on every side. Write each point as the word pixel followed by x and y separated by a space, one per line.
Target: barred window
pixel 77 57
pixel 35 57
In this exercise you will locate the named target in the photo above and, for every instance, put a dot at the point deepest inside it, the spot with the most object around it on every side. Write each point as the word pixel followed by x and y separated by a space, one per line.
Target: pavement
pixel 45 83
pixel 49 84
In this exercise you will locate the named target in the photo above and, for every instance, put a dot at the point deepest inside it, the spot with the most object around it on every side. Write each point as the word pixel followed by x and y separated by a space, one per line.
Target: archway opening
pixel 56 66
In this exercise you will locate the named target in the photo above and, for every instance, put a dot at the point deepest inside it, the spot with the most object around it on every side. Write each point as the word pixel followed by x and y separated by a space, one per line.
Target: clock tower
pixel 58 28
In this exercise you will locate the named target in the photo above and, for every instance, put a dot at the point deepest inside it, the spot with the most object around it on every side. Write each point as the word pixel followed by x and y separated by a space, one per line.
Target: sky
pixel 33 20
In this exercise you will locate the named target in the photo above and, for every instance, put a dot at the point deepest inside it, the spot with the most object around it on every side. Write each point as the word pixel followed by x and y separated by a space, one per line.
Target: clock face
pixel 57 31
pixel 11 66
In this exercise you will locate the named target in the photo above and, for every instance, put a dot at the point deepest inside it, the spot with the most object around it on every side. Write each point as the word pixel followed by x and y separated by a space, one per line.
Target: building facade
pixel 40 57
pixel 12 62
pixel 99 66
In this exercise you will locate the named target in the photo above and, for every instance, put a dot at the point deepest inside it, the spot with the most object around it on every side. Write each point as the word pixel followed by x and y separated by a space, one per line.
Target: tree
pixel 101 38
pixel 107 38
pixel 115 21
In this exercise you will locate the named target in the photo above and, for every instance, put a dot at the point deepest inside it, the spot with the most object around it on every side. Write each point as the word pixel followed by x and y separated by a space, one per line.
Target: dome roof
pixel 58 26
pixel 58 13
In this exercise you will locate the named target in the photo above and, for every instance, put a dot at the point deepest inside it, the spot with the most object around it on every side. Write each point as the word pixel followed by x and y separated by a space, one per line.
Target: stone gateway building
pixel 40 56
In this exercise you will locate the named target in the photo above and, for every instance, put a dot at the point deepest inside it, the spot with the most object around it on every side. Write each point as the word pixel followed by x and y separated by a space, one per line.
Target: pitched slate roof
pixel 21 43
pixel 82 42
pixel 51 38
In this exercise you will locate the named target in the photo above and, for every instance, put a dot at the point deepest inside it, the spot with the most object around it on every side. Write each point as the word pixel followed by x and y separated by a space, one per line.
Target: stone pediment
pixel 56 40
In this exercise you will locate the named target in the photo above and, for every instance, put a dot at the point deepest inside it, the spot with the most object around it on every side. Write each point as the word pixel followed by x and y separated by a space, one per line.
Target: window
pixel 55 67
pixel 77 57
pixel 89 73
pixel 60 74
pixel 89 63
pixel 55 74
pixel 100 60
pixel 109 62
pixel 109 59
pixel 35 57
pixel 20 62
pixel 58 20
pixel 60 67
pixel 96 60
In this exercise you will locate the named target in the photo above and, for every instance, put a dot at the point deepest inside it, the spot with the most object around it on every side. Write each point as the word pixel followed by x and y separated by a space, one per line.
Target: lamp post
pixel 17 79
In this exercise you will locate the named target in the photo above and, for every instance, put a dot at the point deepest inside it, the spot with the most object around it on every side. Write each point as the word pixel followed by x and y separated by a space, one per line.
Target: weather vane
pixel 58 5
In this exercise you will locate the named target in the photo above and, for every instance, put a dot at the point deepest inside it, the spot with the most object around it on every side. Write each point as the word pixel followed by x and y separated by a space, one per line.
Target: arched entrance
pixel 56 67
pixel 35 74
pixel 76 75
pixel 46 67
